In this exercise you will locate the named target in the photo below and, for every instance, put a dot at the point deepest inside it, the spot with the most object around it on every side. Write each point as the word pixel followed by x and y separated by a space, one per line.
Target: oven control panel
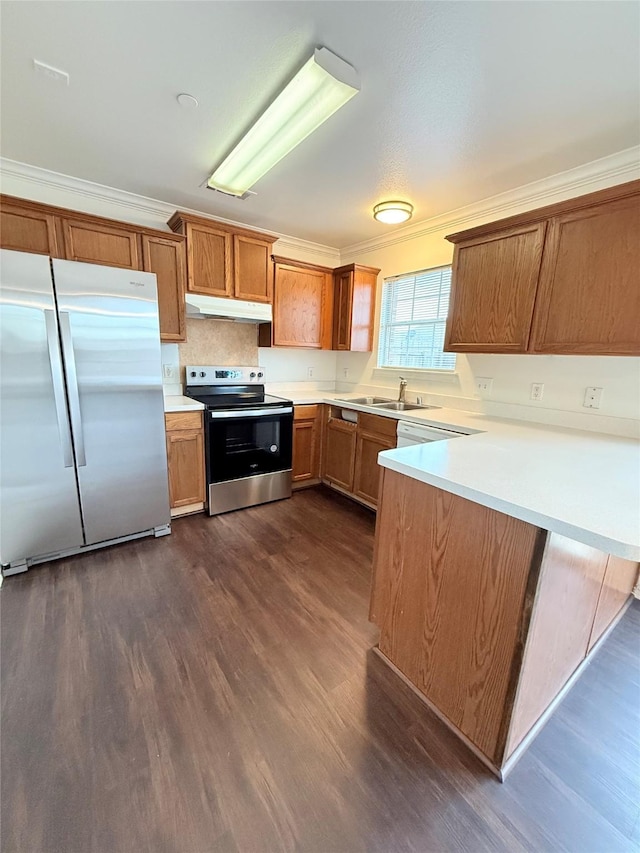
pixel 224 375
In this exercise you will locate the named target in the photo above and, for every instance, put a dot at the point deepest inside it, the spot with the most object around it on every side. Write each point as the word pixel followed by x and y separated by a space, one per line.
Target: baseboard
pixel 350 495
pixel 188 509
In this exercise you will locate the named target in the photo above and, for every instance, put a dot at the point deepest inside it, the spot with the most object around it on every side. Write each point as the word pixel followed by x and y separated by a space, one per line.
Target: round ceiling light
pixel 392 212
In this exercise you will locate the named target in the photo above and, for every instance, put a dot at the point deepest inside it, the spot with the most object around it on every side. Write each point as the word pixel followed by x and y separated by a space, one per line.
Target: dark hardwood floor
pixel 215 691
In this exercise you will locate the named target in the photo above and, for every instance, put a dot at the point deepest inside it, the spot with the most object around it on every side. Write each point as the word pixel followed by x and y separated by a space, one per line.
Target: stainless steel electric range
pixel 248 437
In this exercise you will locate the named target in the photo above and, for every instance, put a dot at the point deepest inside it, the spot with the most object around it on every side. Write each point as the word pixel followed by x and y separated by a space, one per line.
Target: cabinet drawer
pixel 182 420
pixel 305 413
pixel 378 424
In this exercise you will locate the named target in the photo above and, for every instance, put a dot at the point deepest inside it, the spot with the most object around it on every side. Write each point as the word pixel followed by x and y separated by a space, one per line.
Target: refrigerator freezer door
pixel 39 507
pixel 111 346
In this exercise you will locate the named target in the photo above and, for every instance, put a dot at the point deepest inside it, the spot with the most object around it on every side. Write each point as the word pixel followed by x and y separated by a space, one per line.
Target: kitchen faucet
pixel 403 390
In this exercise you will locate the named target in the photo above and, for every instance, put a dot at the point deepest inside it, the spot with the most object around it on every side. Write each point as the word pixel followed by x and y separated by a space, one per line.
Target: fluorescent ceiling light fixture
pixel 392 212
pixel 323 84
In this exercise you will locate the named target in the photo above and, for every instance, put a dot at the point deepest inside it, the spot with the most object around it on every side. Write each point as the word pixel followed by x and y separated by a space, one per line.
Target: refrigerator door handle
pixel 72 386
pixel 64 427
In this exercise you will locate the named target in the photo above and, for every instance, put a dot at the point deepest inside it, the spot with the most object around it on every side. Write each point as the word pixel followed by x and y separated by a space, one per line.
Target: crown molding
pixel 23 178
pixel 607 171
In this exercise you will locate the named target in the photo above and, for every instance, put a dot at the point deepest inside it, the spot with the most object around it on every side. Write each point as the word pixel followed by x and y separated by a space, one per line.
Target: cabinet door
pixel 100 244
pixel 24 230
pixel 306 444
pixel 185 455
pixel 167 259
pixel 362 310
pixel 367 470
pixel 619 579
pixel 253 270
pixel 342 300
pixel 209 260
pixel 493 291
pixel 589 295
pixel 340 453
pixel 300 308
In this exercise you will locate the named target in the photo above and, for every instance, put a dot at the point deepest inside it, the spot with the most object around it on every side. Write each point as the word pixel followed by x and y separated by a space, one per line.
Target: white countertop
pixel 583 485
pixel 178 403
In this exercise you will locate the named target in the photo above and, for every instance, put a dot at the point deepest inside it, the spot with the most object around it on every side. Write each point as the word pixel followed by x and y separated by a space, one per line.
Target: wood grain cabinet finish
pixel 374 434
pixel 307 428
pixel 225 261
pixel 166 257
pixel 589 293
pixel 354 303
pixel 252 270
pixel 494 290
pixel 94 243
pixel 488 618
pixel 561 279
pixel 185 458
pixel 302 305
pixel 24 229
pixel 339 453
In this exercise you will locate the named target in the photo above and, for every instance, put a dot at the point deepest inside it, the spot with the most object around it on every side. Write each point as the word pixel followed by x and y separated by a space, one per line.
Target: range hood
pixel 227 309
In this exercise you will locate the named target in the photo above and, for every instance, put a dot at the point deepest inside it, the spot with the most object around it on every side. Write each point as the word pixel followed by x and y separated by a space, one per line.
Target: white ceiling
pixel 459 100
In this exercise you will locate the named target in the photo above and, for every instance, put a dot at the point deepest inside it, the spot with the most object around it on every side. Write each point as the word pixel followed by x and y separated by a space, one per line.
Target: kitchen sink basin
pixel 365 401
pixel 402 407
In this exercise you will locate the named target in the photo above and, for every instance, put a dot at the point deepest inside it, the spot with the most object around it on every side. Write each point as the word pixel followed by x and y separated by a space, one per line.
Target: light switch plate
pixel 484 385
pixel 592 397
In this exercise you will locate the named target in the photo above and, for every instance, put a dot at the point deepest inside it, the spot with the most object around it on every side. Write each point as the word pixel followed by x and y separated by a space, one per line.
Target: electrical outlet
pixel 168 371
pixel 419 399
pixel 345 372
pixel 484 384
pixel 309 372
pixel 592 397
pixel 537 390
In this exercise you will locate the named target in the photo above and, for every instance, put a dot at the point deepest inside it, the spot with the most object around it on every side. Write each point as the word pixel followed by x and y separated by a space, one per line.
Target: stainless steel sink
pixel 402 407
pixel 365 401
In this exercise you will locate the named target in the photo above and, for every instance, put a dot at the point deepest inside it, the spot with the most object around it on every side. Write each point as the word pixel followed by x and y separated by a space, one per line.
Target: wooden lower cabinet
pixel 185 458
pixel 307 429
pixel 488 618
pixel 350 454
pixel 339 456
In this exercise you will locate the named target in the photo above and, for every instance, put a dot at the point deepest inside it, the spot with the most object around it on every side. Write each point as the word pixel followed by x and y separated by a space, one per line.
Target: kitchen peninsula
pixel 500 567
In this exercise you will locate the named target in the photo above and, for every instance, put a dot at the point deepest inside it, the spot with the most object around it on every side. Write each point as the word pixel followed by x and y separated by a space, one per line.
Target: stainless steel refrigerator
pixel 82 444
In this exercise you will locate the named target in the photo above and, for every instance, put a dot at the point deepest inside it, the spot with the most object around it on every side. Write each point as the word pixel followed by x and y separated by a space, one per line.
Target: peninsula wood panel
pixel 619 579
pixel 306 443
pixel 493 290
pixel 339 453
pixel 95 243
pixel 209 260
pixel 589 293
pixel 166 258
pixel 252 269
pixel 451 579
pixel 26 230
pixel 563 613
pixel 301 307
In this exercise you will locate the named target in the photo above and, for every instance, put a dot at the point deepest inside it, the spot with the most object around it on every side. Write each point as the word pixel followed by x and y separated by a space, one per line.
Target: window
pixel 413 319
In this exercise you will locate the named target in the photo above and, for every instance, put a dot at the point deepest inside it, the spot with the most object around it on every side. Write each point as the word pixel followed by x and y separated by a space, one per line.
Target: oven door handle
pixel 251 413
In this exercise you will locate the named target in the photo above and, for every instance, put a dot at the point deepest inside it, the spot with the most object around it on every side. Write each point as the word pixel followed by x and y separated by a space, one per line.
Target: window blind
pixel 413 319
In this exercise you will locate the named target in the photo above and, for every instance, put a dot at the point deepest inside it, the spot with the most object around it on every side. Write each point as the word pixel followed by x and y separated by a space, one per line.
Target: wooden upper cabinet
pixel 354 303
pixel 302 302
pixel 252 270
pixel 589 293
pixel 96 243
pixel 209 263
pixel 493 291
pixel 225 261
pixel 166 257
pixel 24 229
pixel 560 279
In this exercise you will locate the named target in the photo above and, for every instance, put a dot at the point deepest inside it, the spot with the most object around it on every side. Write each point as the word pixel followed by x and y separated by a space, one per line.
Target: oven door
pixel 248 442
